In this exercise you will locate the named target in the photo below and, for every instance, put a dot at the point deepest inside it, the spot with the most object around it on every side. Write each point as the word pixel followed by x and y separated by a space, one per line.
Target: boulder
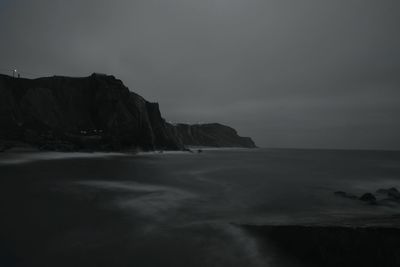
pixel 368 197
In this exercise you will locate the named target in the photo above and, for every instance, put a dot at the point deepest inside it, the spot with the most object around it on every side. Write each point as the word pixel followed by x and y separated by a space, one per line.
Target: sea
pixel 179 208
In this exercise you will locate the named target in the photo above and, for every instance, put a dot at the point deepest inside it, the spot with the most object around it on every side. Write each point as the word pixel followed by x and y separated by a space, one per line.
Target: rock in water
pixel 392 193
pixel 368 197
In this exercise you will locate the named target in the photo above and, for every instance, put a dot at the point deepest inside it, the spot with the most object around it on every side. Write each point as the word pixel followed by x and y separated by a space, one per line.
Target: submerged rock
pixel 392 197
pixel 368 197
pixel 391 193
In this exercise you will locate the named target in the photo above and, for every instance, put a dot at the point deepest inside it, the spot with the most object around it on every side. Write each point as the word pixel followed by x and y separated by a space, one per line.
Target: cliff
pixel 89 113
pixel 213 135
pixel 95 112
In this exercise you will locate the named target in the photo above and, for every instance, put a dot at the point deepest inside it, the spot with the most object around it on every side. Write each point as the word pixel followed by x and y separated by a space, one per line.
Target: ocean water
pixel 178 209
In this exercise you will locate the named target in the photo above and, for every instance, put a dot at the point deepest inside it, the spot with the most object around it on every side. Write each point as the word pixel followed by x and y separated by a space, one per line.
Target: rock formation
pixel 213 135
pixel 92 113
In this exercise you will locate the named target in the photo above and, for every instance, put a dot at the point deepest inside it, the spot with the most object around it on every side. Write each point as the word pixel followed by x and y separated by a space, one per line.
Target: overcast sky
pixel 289 73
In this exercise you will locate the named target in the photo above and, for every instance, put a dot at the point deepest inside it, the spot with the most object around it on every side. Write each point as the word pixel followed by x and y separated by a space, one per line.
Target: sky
pixel 288 73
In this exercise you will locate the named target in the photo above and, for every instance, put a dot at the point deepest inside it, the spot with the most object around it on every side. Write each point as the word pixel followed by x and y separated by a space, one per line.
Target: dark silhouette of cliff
pixel 212 134
pixel 90 113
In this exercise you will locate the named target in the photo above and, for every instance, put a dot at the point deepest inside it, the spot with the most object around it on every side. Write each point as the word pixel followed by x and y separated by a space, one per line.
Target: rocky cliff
pixel 96 113
pixel 213 135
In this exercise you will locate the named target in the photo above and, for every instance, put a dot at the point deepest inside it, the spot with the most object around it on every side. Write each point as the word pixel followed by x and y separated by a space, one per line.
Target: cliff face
pixel 97 113
pixel 213 135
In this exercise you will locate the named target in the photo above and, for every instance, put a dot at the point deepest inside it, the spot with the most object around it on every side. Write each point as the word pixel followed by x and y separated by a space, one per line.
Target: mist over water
pixel 186 209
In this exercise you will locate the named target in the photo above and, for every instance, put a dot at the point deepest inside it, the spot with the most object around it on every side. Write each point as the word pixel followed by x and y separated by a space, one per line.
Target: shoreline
pixel 23 154
pixel 26 156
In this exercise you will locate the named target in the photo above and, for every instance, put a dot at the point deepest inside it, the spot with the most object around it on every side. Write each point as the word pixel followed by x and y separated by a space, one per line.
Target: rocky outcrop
pixel 368 197
pixel 94 113
pixel 212 135
pixel 384 197
pixel 391 193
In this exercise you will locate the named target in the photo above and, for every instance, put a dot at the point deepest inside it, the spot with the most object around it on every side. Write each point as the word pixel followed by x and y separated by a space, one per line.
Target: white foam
pixel 156 201
pixel 20 158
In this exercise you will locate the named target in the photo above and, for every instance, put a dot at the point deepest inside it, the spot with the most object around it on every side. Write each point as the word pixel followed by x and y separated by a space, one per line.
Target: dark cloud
pixel 309 73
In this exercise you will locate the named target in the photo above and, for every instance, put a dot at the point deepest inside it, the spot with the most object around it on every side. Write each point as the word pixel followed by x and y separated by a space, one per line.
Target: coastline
pixel 23 154
pixel 19 156
pixel 211 148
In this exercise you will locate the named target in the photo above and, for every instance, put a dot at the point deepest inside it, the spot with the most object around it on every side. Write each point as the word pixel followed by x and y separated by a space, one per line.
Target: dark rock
pixel 392 193
pixel 368 197
pixel 382 191
pixel 96 112
pixel 164 135
pixel 199 151
pixel 213 135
